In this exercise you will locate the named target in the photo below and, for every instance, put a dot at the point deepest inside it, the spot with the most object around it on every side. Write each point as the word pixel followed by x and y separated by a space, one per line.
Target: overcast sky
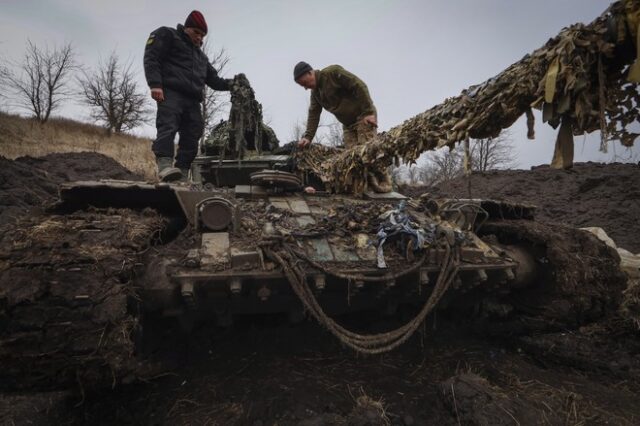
pixel 412 54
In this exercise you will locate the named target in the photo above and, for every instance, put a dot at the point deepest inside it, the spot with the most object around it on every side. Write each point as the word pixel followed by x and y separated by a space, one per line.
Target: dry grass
pixel 21 137
pixel 368 410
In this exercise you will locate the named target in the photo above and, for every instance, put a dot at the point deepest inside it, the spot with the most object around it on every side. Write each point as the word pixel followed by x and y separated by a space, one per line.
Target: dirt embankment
pixel 590 194
pixel 21 137
pixel 29 184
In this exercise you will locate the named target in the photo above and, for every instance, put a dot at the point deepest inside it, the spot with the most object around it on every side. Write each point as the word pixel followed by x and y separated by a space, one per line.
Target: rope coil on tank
pixel 360 277
pixel 372 343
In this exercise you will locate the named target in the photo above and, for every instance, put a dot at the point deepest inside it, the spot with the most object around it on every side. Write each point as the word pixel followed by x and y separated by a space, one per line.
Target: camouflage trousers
pixel 358 133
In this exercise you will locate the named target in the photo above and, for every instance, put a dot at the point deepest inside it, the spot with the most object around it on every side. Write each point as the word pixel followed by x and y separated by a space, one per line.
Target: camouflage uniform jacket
pixel 341 93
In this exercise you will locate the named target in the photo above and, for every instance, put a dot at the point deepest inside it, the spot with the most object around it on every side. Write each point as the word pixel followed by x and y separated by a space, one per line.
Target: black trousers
pixel 183 115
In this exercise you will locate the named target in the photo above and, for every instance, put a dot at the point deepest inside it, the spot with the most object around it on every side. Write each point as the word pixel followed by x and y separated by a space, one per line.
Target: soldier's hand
pixel 157 94
pixel 303 142
pixel 310 190
pixel 371 119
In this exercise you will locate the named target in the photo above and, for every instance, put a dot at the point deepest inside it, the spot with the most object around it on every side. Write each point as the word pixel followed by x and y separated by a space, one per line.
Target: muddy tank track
pixel 66 298
pixel 578 280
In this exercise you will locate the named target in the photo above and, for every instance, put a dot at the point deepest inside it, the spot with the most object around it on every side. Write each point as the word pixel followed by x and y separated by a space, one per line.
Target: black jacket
pixel 172 61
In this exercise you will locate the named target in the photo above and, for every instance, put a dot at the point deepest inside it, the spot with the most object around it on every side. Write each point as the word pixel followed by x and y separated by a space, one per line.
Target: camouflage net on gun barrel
pixel 584 79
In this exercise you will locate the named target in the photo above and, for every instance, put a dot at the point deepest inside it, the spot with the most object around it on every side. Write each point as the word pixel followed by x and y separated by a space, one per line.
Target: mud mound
pixel 588 349
pixel 590 194
pixel 31 183
pixel 79 166
pixel 22 188
pixel 475 401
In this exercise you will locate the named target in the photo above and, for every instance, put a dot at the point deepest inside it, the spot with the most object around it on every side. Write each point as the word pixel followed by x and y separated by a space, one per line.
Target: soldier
pixel 177 70
pixel 347 97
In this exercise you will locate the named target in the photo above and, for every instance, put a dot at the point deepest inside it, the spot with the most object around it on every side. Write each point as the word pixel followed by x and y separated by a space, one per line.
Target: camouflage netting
pixel 245 130
pixel 584 79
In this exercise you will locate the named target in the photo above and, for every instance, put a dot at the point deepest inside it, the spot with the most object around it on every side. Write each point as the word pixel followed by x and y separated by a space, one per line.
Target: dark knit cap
pixel 300 69
pixel 196 20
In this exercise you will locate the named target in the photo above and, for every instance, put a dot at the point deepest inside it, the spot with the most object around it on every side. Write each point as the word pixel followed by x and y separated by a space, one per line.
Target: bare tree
pixel 443 165
pixel 333 135
pixel 329 134
pixel 113 94
pixel 214 102
pixel 627 156
pixel 43 79
pixel 297 130
pixel 417 174
pixel 493 153
pixel 486 154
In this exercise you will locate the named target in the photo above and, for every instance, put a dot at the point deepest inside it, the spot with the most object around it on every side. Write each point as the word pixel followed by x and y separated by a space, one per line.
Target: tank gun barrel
pixel 579 78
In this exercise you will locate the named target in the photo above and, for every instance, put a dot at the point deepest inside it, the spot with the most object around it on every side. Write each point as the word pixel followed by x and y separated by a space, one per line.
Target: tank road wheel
pixel 578 279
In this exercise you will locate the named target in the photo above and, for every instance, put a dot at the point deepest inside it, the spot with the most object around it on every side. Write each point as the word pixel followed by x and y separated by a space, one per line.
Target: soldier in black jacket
pixel 177 69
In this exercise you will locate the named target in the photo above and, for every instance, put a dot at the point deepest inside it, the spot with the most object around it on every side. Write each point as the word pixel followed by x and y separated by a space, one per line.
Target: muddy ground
pixel 266 371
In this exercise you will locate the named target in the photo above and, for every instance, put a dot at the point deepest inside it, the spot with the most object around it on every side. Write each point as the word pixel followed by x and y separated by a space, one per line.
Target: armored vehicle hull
pixel 264 249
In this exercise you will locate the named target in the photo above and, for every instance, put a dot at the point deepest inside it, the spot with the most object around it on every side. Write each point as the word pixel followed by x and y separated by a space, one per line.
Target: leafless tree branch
pixel 215 103
pixel 112 93
pixel 493 153
pixel 297 130
pixel 334 135
pixel 329 134
pixel 4 77
pixel 42 83
pixel 444 164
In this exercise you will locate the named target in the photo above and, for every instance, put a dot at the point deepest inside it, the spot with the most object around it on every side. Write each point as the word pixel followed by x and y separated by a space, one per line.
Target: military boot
pixel 380 182
pixel 185 175
pixel 166 171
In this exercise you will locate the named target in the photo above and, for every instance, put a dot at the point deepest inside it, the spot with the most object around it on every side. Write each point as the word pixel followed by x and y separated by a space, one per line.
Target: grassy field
pixel 21 137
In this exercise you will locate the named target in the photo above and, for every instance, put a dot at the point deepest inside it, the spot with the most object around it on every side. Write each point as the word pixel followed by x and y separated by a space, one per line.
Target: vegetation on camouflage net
pixel 245 130
pixel 585 79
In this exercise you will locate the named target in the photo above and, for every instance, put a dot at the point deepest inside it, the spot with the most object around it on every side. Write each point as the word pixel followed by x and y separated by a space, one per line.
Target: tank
pixel 254 241
pixel 92 286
